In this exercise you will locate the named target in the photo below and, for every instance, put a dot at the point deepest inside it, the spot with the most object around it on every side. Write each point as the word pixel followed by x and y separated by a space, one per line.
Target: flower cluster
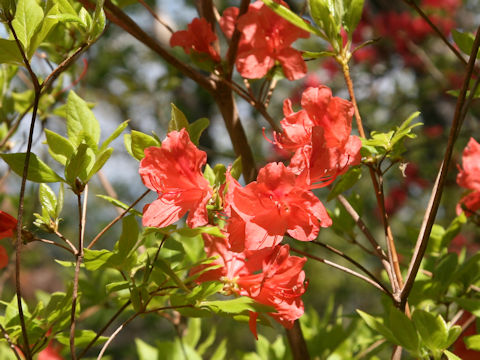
pixel 320 136
pixel 469 178
pixel 265 40
pixel 254 218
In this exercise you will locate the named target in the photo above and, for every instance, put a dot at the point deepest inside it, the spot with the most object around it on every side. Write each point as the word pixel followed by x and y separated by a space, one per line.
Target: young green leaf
pixel 464 40
pixel 473 342
pixel 38 171
pixel 178 120
pixel 81 123
pixel 129 235
pixel 60 148
pixel 100 160
pixel 433 330
pixel 352 15
pixel 10 53
pixel 290 16
pixel 48 200
pixel 141 141
pixel 347 180
pixel 114 135
pixel 80 164
pixel 196 129
pixel 119 204
pixel 404 330
pixel 28 18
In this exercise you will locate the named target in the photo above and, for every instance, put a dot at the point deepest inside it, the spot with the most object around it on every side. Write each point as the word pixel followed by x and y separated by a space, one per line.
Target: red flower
pixel 266 38
pixel 280 284
pixel 278 203
pixel 198 37
pixel 469 178
pixel 8 225
pixel 270 276
pixel 174 172
pixel 320 135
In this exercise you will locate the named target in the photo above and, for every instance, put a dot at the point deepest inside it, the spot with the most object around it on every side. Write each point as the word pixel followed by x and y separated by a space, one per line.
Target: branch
pixel 82 212
pixel 434 202
pixel 18 244
pixel 342 268
pixel 352 261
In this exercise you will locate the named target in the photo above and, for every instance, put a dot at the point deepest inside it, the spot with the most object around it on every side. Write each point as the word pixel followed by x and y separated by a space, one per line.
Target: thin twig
pixel 114 221
pixel 104 328
pixel 352 261
pixel 154 14
pixel 82 212
pixel 18 244
pixel 434 202
pixel 415 7
pixel 340 267
pixel 60 235
pixel 51 242
pixel 9 341
pixel 115 333
pixel 361 225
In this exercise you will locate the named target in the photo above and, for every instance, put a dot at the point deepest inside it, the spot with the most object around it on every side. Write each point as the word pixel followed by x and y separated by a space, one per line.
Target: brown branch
pixel 297 342
pixel 353 262
pixel 396 275
pixel 60 235
pixel 114 221
pixel 82 212
pixel 50 242
pixel 434 202
pixel 361 225
pixel 18 244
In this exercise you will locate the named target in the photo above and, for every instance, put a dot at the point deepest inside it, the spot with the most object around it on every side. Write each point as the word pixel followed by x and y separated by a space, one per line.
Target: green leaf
pixel 377 325
pixel 208 341
pixel 60 149
pixel 209 174
pixel 97 259
pixel 129 235
pixel 472 342
pixel 141 141
pixel 119 204
pixel 80 164
pixel 114 135
pixel 166 268
pixel 117 286
pixel 178 120
pixel 352 15
pixel 236 169
pixel 403 330
pixel 28 17
pixel 433 330
pixel 464 40
pixel 9 53
pixel 48 200
pixel 347 180
pixel 100 160
pixel 236 306
pixel 81 123
pixel 48 24
pixel 38 171
pixel 327 14
pixel 451 356
pixel 82 338
pixel 290 16
pixel 59 201
pixel 145 351
pixel 196 129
